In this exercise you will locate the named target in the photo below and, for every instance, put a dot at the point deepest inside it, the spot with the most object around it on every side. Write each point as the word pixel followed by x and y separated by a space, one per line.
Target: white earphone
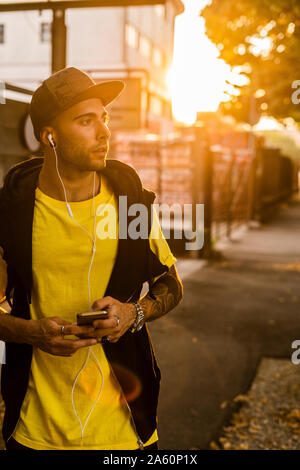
pixel 51 140
pixel 93 238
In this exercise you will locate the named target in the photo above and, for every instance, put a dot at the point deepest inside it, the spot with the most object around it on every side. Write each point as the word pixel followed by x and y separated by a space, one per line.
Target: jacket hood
pixel 20 175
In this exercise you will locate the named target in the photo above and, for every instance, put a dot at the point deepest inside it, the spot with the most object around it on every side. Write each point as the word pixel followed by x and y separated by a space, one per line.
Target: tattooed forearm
pixel 165 294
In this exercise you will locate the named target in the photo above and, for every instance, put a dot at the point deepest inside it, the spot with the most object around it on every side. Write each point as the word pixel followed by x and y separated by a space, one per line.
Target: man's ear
pixel 48 136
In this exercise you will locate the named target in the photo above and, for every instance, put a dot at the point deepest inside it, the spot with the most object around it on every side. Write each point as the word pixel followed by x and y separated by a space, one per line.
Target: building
pixel 132 43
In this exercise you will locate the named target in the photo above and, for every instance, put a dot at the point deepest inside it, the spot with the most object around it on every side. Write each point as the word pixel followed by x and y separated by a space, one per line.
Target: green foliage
pixel 287 145
pixel 234 26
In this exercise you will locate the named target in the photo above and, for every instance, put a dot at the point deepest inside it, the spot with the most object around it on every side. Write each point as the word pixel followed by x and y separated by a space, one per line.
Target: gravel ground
pixel 269 414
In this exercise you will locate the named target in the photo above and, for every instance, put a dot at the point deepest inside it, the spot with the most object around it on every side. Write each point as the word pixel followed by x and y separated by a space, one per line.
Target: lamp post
pixel 59 40
pixel 203 160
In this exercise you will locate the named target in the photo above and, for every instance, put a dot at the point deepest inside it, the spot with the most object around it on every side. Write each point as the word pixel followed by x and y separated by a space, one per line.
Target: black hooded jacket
pixel 132 356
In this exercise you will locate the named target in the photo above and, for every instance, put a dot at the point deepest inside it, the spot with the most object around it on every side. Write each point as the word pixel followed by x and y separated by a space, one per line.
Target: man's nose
pixel 102 131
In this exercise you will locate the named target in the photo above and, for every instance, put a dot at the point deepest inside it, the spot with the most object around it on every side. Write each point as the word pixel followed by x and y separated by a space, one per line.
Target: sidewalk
pixel 235 312
pixel 268 415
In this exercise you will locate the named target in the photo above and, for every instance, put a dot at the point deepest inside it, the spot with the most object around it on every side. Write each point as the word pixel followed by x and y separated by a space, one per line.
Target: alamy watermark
pixel 2 353
pixel 295 358
pixel 296 95
pixel 134 222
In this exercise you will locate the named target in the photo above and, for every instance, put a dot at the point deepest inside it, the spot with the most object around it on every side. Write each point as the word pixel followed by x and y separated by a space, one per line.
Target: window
pixel 145 46
pixel 160 10
pixel 156 106
pixel 131 36
pixel 157 57
pixel 45 32
pixel 1 33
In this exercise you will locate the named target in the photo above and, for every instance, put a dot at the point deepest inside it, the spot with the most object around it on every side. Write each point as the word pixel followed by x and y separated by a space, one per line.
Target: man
pixel 67 386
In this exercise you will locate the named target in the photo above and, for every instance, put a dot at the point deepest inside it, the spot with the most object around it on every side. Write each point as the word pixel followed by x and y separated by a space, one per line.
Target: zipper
pixel 139 441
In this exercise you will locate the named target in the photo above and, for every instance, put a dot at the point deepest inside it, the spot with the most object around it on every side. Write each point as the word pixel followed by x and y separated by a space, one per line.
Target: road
pixel 234 312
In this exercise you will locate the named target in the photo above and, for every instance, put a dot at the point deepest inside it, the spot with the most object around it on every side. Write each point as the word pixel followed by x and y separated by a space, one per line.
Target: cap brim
pixel 105 91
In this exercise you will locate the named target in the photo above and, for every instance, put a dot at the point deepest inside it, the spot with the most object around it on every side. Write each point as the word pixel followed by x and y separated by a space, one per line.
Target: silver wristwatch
pixel 139 319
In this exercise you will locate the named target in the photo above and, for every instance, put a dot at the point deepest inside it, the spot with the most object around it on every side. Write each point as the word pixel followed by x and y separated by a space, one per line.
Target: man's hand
pixel 112 327
pixel 48 337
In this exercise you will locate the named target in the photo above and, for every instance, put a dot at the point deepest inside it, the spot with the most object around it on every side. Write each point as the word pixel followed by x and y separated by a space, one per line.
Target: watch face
pixel 140 323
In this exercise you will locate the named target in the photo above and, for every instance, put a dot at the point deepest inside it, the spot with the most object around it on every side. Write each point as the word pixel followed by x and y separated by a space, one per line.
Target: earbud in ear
pixel 51 140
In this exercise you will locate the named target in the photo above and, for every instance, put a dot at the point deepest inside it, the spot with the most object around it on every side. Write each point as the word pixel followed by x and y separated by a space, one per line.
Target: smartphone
pixel 87 318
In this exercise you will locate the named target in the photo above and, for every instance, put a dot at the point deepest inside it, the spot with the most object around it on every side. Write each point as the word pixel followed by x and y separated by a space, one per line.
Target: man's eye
pixel 86 121
pixel 106 119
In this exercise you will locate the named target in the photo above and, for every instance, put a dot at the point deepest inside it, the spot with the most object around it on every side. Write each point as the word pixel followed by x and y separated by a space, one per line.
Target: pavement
pixel 235 312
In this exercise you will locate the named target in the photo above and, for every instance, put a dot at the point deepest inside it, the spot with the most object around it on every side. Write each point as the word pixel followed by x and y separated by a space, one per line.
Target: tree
pixel 263 38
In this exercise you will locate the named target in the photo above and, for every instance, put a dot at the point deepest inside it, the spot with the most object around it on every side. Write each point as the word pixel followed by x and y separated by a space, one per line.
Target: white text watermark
pixel 296 95
pixel 134 222
pixel 2 353
pixel 295 358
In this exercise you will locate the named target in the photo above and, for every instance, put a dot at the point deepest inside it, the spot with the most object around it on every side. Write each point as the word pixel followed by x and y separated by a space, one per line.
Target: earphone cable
pixel 67 202
pixel 82 428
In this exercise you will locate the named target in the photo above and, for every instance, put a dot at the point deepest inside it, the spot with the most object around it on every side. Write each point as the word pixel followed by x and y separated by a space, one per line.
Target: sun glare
pixel 268 123
pixel 197 79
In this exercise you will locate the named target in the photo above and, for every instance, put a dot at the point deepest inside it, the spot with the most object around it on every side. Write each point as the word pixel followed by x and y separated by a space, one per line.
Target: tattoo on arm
pixel 165 294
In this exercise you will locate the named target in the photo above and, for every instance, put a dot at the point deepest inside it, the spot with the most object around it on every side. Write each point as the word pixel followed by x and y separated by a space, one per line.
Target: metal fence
pixel 234 184
pixel 165 167
pixel 276 179
pixel 232 171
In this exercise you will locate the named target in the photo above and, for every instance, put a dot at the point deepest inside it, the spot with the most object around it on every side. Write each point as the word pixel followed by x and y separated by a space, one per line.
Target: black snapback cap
pixel 65 88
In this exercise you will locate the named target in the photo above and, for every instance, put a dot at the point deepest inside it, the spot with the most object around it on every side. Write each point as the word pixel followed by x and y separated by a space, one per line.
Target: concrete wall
pixel 23 58
pixel 95 37
pixel 95 41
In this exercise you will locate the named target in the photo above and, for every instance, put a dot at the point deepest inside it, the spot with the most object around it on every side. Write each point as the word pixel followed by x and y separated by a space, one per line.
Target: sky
pixel 198 77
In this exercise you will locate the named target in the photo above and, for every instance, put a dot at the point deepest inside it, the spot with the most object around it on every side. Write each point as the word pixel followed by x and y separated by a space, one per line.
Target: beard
pixel 79 156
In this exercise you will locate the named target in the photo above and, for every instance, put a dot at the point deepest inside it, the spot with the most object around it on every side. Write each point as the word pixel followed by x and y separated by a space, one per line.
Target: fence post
pixel 208 202
pixel 202 185
pixel 59 40
pixel 230 195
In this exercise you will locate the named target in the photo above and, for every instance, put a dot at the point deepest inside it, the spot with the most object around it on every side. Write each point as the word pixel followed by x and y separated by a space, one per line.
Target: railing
pixel 276 180
pixel 243 183
pixel 232 171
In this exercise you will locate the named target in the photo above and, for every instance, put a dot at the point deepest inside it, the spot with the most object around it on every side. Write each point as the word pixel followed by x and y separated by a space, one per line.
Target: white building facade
pixel 130 43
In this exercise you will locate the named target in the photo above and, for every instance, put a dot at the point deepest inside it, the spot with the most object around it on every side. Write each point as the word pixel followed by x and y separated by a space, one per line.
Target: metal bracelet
pixel 139 315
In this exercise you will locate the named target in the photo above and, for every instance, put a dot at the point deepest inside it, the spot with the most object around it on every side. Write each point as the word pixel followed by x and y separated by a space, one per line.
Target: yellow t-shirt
pixel 61 257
